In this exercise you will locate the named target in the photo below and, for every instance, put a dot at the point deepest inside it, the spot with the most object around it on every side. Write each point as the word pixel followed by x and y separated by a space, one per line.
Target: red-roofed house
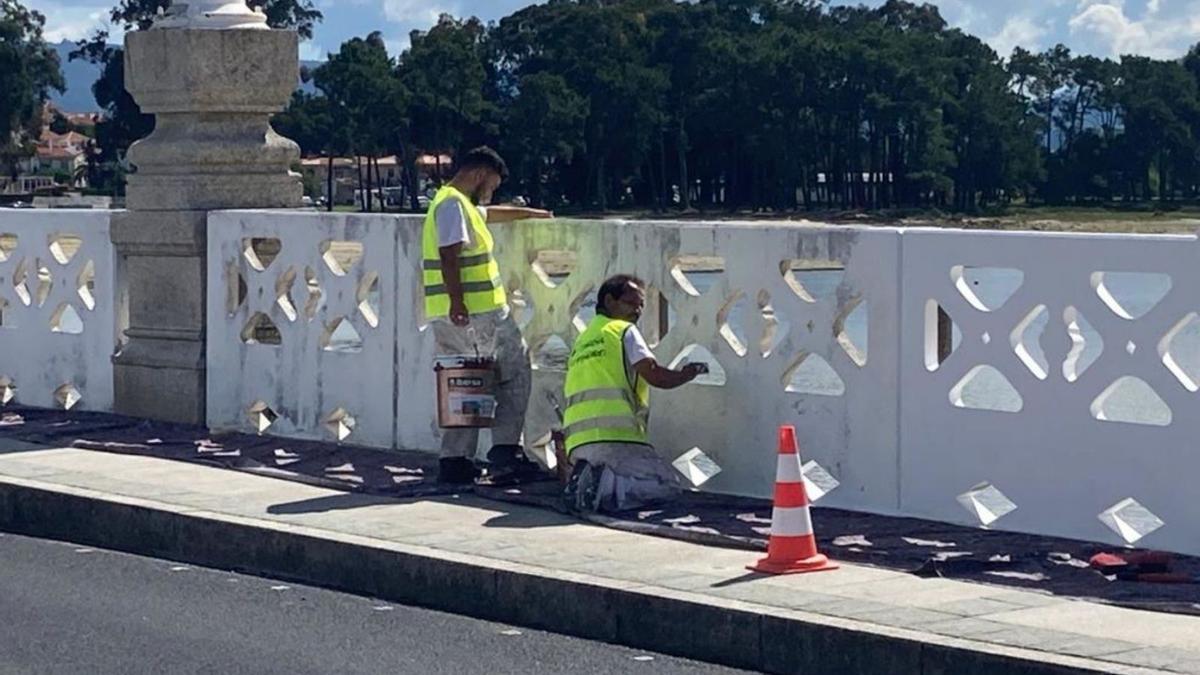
pixel 59 154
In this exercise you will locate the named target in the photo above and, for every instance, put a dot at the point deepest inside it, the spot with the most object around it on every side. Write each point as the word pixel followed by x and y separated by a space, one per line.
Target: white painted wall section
pixel 1047 450
pixel 308 339
pixel 1071 389
pixel 58 308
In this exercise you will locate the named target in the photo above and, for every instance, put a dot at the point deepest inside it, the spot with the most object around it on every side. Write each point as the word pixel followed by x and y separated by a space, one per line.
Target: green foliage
pixel 767 105
pixel 60 124
pixel 362 99
pixel 29 70
pixel 309 121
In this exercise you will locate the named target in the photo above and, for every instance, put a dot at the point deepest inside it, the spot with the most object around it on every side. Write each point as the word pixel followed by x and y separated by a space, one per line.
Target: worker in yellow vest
pixel 609 376
pixel 466 303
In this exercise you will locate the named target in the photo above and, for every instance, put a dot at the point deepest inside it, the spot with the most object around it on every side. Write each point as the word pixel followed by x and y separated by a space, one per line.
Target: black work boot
pixel 509 463
pixel 579 495
pixel 457 471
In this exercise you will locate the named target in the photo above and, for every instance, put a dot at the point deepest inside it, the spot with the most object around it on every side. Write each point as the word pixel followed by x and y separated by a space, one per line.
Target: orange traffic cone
pixel 792 547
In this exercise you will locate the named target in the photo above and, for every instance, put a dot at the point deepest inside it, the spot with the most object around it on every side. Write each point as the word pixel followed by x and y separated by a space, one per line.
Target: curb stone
pixel 675 622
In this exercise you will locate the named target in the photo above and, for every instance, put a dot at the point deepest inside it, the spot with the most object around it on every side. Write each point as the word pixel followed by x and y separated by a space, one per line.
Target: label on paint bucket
pixel 466 382
pixel 473 405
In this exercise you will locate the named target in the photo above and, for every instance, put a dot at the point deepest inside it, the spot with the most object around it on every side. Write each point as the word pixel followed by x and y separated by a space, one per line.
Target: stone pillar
pixel 212 74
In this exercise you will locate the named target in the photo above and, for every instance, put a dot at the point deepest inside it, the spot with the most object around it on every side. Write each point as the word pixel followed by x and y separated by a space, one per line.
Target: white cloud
pixel 962 14
pixel 416 12
pixel 408 15
pixel 311 51
pixel 1106 29
pixel 74 21
pixel 1019 31
pixel 1110 28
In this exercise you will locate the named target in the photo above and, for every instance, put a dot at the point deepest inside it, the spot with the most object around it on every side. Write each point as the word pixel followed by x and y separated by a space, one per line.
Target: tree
pixel 121 125
pixel 309 120
pixel 365 103
pixel 1159 111
pixel 543 133
pixel 444 74
pixel 603 52
pixel 995 156
pixel 768 105
pixel 59 124
pixel 29 71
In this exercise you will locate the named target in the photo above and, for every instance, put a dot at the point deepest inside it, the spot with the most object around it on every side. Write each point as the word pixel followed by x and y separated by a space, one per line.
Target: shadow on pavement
pixel 326 504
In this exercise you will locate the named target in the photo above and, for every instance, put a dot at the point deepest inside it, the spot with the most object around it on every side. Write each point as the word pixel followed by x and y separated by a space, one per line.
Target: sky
pixel 1157 28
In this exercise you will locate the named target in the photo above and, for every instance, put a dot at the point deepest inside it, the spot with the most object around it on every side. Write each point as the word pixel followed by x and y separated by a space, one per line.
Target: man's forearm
pixel 663 378
pixel 505 214
pixel 451 276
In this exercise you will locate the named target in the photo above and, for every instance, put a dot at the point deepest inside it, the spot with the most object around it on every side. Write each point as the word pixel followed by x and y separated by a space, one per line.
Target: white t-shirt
pixel 636 349
pixel 453 226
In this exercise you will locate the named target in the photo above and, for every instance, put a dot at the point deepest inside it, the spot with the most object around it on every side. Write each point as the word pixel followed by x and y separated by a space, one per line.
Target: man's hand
pixel 459 316
pixel 664 378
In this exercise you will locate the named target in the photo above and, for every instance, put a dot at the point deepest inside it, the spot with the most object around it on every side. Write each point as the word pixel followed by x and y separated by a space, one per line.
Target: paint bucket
pixel 466 392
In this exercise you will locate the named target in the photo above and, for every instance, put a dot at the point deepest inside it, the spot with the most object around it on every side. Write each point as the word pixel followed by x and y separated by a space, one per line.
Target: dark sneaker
pixel 457 471
pixel 509 464
pixel 506 455
pixel 579 496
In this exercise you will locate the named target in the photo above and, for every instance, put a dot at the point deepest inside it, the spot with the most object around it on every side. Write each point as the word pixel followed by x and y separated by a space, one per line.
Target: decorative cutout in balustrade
pixel 57 309
pixel 314 339
pixel 1128 296
pixel 1081 406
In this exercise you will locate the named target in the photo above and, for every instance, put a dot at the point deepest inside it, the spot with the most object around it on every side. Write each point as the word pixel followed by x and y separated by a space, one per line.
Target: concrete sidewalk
pixel 540 569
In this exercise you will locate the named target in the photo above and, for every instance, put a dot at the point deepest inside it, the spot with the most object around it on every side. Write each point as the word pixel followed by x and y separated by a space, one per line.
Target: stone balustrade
pixel 58 309
pixel 1057 398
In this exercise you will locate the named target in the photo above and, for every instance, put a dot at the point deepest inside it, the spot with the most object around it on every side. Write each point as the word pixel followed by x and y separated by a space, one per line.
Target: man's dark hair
pixel 615 287
pixel 484 157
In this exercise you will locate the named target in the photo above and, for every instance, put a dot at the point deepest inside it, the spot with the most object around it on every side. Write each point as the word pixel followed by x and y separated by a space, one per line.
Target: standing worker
pixel 609 376
pixel 465 301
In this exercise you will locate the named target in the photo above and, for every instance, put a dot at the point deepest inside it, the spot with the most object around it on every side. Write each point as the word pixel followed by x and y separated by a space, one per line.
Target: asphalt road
pixel 66 608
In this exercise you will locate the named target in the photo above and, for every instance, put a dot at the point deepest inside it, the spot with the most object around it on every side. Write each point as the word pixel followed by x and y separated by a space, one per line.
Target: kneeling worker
pixel 609 376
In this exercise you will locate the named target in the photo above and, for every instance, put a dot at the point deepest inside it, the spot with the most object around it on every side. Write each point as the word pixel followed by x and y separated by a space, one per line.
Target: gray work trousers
pixel 497 335
pixel 631 476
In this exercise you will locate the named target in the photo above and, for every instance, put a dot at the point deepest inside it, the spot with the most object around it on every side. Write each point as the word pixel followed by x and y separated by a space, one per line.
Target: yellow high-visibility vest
pixel 605 403
pixel 483 291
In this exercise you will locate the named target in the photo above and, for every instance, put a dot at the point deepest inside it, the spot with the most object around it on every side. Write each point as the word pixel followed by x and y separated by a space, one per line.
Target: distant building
pixel 56 155
pixel 82 120
pixel 59 154
pixel 391 175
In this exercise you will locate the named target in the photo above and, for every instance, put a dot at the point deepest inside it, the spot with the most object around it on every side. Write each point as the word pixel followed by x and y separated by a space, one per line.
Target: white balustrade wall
pixel 1070 389
pixel 58 309
pixel 297 342
pixel 1090 351
pixel 1072 385
pixel 848 422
